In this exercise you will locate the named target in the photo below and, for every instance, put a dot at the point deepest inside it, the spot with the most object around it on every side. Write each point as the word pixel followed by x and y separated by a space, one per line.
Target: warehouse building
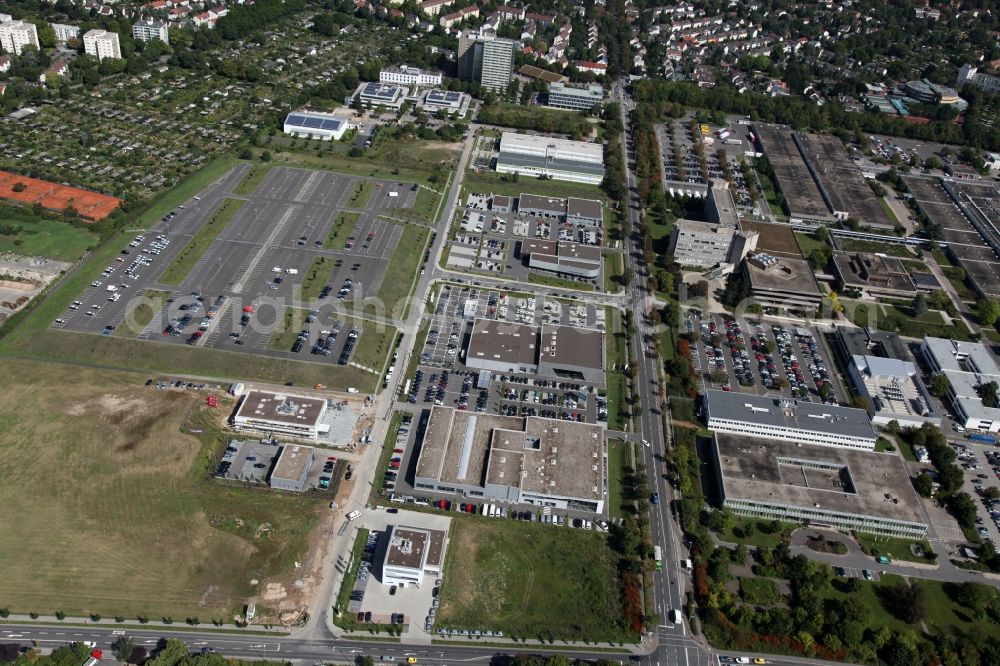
pixel 560 159
pixel 820 486
pixel 571 352
pixel 969 367
pixel 516 460
pixel 548 208
pixel 292 469
pixel 563 257
pixel 575 97
pixel 282 414
pixel 502 347
pixel 315 125
pixel 408 554
pixel 556 351
pixel 751 415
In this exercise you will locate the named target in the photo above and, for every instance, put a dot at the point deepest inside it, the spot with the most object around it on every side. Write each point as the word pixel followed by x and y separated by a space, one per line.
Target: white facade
pixel 969 75
pixel 151 29
pixel 64 33
pixel 410 76
pixel 282 414
pixel 15 35
pixel 102 44
pixel 561 159
pixel 315 125
pixel 968 366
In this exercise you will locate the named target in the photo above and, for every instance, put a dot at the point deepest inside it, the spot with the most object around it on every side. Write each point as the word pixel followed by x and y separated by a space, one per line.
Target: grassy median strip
pixel 350 576
pixel 250 182
pixel 362 194
pixel 197 246
pixel 560 283
pixel 317 276
pixel 341 230
pixel 150 303
pixel 401 272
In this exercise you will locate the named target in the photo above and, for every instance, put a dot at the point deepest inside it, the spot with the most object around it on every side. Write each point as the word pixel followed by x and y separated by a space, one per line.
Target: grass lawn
pixel 316 277
pixel 888 211
pixel 199 244
pixel 401 271
pixel 253 178
pixel 341 230
pixel 552 281
pixel 762 533
pixel 759 591
pixel 617 459
pixel 530 580
pixel 361 194
pixel 41 237
pixel 616 353
pixel 142 313
pixel 490 181
pixel 888 317
pixel 858 245
pixel 896 549
pixel 612 269
pixel 114 460
pixel 807 243
pixel 347 584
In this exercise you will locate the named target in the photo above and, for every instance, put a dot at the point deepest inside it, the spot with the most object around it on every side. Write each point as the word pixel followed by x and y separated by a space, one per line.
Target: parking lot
pixel 982 472
pixel 275 247
pixel 758 357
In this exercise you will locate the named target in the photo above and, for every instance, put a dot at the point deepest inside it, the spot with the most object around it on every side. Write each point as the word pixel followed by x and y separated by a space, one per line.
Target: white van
pixel 292 271
pixel 675 616
pixel 111 287
pixel 353 514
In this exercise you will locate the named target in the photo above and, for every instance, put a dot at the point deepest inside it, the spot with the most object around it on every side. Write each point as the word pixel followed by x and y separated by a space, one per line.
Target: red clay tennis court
pixel 53 196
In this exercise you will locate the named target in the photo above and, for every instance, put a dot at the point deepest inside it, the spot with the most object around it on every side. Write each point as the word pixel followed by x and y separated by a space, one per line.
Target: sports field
pixel 106 507
pixel 530 580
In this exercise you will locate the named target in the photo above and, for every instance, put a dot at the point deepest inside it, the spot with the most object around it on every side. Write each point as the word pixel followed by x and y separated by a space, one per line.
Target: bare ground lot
pixel 106 506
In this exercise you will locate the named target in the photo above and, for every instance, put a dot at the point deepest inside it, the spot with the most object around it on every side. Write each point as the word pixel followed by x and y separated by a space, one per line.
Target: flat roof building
pixel 149 29
pixel 840 488
pixel 707 244
pixel 15 35
pixel 387 95
pixel 407 554
pixel 563 257
pixel 292 469
pixel 315 125
pixel 281 414
pixel 968 366
pixel 720 207
pixel 779 418
pixel 571 352
pixel 875 274
pixel 520 460
pixel 554 350
pixel 452 102
pixel 782 282
pixel 64 32
pixel 561 159
pixel 502 347
pixel 102 44
pixel 893 391
pixel 575 97
pixel 410 76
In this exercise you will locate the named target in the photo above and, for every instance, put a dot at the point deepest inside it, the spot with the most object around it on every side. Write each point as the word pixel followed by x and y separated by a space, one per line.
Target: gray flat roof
pixel 569 345
pixel 873 271
pixel 804 475
pixel 589 208
pixel 793 276
pixel 554 164
pixel 537 201
pixel 806 416
pixel 863 342
pixel 406 547
pixel 282 408
pixel 292 462
pixel 494 340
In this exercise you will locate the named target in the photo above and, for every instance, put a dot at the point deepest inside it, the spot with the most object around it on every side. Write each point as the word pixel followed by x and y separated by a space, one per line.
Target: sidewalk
pixel 134 623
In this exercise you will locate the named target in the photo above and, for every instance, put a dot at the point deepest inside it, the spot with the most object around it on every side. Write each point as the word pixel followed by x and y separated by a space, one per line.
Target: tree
pixel 988 312
pixel 173 653
pixel 988 392
pixel 123 648
pixel 19 187
pixel 905 602
pixel 963 507
pixel 923 484
pixel 265 156
pixel 247 154
pixel 939 385
pixel 919 305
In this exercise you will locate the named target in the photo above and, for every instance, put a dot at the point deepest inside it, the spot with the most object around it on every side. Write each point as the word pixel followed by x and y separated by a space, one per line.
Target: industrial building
pixel 149 29
pixel 575 97
pixel 893 391
pixel 969 366
pixel 383 95
pixel 410 76
pixel 782 283
pixel 292 469
pixel 750 415
pixel 485 58
pixel 563 257
pixel 102 44
pixel 15 35
pixel 560 352
pixel 560 159
pixel 281 414
pixel 820 486
pixel 408 554
pixel 315 125
pixel 874 274
pixel 452 102
pixel 515 460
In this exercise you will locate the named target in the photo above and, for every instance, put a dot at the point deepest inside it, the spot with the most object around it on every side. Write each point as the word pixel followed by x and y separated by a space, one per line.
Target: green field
pixel 199 244
pixel 347 583
pixel 559 283
pixel 341 230
pixel 617 460
pixel 897 549
pixel 102 487
pixel 43 237
pixel 530 580
pixel 807 243
pixel 361 194
pixel 142 313
pixel 253 178
pixel 491 181
pixel 858 245
pixel 401 271
pixel 316 277
pixel 759 591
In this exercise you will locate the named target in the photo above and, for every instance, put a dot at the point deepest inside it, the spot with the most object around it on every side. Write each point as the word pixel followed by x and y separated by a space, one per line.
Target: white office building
pixel 315 125
pixel 893 389
pixel 560 159
pixel 15 35
pixel 575 97
pixel 706 244
pixel 64 32
pixel 968 366
pixel 282 414
pixel 102 44
pixel 970 75
pixel 408 554
pixel 411 76
pixel 149 29
pixel 789 420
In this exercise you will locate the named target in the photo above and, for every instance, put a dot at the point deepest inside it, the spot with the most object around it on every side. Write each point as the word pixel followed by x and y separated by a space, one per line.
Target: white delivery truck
pixel 292 271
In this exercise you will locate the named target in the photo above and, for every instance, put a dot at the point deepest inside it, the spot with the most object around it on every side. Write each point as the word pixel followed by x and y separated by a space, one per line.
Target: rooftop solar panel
pixel 295 120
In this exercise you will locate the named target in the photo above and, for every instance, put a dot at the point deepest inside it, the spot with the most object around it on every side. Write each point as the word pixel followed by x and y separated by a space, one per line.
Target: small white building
pixel 411 76
pixel 410 553
pixel 315 125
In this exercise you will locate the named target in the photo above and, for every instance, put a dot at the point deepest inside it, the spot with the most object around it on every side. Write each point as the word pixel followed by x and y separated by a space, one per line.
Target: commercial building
pixel 706 244
pixel 752 415
pixel 560 159
pixel 892 389
pixel 149 29
pixel 584 212
pixel 484 57
pixel 281 414
pixel 408 554
pixel 874 274
pixel 782 283
pixel 102 44
pixel 578 212
pixel 839 488
pixel 563 257
pixel 385 95
pixel 410 76
pixel 969 367
pixel 452 102
pixel 292 469
pixel 64 32
pixel 575 97
pixel 560 352
pixel 15 35
pixel 515 460
pixel 315 125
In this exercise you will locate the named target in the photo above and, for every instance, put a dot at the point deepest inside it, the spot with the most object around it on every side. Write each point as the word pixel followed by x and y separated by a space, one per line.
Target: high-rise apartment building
pixel 484 57
pixel 102 44
pixel 15 35
pixel 149 29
